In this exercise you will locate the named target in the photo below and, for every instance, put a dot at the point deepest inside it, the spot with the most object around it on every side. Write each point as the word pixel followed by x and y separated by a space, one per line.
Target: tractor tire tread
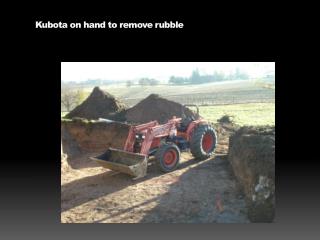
pixel 195 143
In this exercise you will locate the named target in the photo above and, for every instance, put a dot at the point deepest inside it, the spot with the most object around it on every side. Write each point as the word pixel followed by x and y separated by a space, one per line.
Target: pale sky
pixel 82 71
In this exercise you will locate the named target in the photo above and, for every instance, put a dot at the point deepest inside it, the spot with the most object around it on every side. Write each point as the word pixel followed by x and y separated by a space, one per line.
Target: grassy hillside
pixel 257 101
pixel 137 91
pixel 228 92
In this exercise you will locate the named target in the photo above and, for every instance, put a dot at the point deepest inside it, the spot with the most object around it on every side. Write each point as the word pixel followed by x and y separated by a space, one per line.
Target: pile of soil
pixel 226 119
pixel 82 139
pixel 252 157
pixel 70 147
pixel 99 104
pixel 93 136
pixel 157 108
pixel 224 131
pixel 64 163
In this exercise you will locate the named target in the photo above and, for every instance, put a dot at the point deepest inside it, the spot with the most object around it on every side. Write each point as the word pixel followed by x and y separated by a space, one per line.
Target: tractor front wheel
pixel 168 157
pixel 203 142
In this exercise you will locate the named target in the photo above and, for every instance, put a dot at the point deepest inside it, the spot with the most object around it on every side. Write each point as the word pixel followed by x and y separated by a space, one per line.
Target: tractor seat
pixel 184 124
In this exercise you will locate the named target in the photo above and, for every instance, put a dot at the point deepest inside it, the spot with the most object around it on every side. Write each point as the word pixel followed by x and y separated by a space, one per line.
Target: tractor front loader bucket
pixel 134 164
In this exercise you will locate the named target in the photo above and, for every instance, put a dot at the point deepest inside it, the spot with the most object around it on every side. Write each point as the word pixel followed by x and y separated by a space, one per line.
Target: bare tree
pixel 71 98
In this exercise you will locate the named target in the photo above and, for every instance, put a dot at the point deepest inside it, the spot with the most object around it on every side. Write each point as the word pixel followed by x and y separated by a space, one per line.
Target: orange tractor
pixel 165 142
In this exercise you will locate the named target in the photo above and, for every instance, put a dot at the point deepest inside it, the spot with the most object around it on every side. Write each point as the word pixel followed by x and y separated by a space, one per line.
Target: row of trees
pixel 148 81
pixel 197 78
pixel 144 82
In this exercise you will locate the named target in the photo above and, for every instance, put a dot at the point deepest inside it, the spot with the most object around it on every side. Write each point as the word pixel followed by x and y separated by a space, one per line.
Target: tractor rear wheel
pixel 168 157
pixel 203 142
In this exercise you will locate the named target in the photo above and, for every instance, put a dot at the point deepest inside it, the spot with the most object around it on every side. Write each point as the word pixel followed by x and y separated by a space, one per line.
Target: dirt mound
pixel 252 156
pixel 226 119
pixel 94 136
pixel 157 108
pixel 99 104
pixel 64 163
pixel 82 139
pixel 224 131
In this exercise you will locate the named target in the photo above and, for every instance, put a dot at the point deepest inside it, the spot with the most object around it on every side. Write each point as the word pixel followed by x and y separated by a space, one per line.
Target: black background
pixel 30 176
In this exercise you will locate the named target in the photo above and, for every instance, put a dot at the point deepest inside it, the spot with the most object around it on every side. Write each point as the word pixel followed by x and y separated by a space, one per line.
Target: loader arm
pixel 158 131
pixel 133 131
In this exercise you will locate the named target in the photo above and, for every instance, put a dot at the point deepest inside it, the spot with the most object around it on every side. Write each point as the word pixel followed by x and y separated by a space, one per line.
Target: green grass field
pixel 244 114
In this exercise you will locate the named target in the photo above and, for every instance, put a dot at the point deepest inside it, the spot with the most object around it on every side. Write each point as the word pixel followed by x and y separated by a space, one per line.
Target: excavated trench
pixel 197 192
pixel 236 185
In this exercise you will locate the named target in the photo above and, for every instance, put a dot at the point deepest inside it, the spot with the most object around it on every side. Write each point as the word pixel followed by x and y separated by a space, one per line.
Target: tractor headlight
pixel 140 136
